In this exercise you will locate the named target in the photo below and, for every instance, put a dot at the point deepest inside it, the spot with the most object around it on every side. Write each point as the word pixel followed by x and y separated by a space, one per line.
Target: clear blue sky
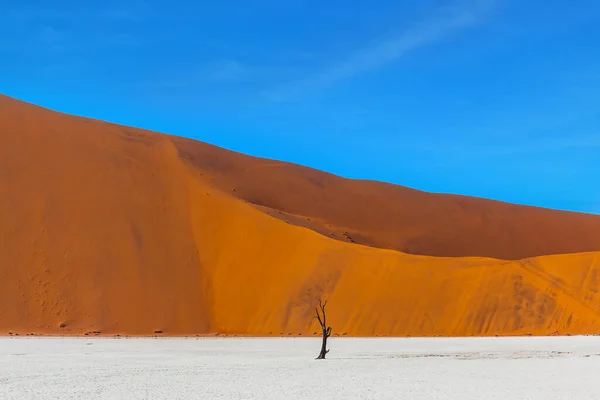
pixel 491 98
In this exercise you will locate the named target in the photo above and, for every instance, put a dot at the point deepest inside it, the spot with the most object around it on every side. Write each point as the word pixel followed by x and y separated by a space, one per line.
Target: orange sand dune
pixel 392 217
pixel 380 292
pixel 118 230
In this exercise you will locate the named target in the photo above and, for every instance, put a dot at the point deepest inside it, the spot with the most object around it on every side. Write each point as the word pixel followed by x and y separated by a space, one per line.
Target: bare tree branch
pixel 319 318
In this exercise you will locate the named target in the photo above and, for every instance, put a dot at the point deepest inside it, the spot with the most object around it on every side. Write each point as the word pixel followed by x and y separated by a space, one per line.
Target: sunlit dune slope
pixel 392 217
pixel 113 229
pixel 380 292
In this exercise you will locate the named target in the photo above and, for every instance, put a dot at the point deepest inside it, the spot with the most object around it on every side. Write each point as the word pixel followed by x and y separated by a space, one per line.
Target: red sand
pixel 119 230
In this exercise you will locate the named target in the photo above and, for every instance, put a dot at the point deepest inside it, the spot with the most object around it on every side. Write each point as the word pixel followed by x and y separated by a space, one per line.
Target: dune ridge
pixel 392 217
pixel 117 230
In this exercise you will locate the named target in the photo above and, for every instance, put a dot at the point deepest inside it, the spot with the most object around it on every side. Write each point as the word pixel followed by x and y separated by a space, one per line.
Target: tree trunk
pixel 326 330
pixel 323 346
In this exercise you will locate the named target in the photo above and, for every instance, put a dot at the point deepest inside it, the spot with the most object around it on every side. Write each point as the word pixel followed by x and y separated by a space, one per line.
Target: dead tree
pixel 320 311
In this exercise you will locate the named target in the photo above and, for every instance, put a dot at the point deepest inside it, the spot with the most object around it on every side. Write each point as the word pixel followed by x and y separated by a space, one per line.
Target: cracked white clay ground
pixel 245 368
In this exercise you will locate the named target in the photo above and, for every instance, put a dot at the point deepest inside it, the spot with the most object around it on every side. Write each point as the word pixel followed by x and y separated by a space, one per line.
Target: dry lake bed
pixel 285 368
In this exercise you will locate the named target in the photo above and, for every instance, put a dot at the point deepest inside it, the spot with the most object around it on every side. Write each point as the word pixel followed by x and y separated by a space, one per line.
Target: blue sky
pixel 490 98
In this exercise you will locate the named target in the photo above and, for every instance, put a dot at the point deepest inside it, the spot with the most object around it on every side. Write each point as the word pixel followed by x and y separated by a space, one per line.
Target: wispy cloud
pixel 442 23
